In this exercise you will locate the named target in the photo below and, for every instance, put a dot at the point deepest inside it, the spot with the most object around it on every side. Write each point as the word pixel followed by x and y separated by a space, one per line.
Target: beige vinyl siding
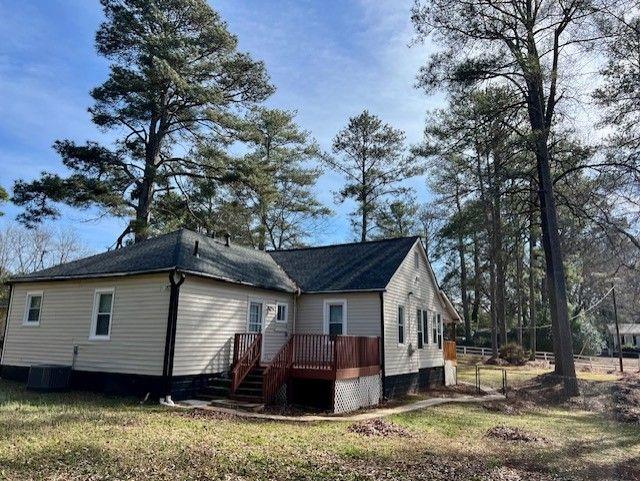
pixel 138 325
pixel 211 312
pixel 425 296
pixel 363 313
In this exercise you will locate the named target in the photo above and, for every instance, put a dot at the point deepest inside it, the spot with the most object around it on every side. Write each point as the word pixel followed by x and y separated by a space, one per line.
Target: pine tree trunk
pixel 463 275
pixel 501 317
pixel 554 266
pixel 519 291
pixel 493 311
pixel 532 274
pixel 475 310
pixel 143 209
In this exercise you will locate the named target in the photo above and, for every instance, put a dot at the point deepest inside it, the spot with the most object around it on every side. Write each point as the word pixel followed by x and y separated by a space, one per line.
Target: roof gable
pixel 345 267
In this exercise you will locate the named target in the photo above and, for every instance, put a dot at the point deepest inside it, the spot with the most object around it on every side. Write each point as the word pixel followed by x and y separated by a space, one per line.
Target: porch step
pixel 249 391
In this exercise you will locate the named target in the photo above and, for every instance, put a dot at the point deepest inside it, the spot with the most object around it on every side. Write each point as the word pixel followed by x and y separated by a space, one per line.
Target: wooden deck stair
pixel 303 356
pixel 249 390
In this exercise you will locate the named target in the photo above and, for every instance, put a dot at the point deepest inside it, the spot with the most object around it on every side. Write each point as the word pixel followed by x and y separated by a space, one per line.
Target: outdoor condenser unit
pixel 48 377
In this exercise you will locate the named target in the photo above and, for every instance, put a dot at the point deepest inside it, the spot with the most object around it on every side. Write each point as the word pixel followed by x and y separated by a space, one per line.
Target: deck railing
pixel 329 357
pixel 247 349
pixel 277 372
pixel 449 350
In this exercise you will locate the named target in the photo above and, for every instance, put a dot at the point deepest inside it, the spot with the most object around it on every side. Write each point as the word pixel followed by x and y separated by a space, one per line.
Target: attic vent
pixel 195 249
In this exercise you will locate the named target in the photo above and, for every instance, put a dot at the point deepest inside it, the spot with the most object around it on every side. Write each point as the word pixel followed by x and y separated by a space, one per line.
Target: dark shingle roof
pixel 175 250
pixel 345 267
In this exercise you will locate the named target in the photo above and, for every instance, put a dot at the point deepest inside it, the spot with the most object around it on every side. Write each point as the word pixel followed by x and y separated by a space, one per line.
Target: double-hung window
pixel 32 309
pixel 400 324
pixel 425 327
pixel 281 312
pixel 420 328
pixel 254 323
pixel 102 314
pixel 335 317
pixel 434 328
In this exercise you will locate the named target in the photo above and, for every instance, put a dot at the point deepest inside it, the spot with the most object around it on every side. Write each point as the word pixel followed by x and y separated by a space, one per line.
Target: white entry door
pixel 255 316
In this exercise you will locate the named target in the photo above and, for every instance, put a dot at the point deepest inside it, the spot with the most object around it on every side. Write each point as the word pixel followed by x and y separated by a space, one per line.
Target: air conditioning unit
pixel 48 377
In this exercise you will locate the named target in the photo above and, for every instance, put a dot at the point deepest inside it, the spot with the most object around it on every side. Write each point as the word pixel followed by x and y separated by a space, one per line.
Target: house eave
pixel 345 291
pixel 107 275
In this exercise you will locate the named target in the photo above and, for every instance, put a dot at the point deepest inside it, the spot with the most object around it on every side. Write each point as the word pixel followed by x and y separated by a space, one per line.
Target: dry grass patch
pixel 84 436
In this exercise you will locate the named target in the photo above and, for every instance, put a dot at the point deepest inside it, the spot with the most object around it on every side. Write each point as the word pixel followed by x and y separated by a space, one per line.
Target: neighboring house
pixel 338 326
pixel 629 335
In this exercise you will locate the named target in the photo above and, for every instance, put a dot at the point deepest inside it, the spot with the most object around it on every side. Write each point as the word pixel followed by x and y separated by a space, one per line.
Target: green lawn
pixel 84 436
pixel 491 376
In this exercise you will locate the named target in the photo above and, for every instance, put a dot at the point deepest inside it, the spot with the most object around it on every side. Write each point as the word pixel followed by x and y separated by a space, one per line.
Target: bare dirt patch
pixel 507 433
pixel 626 399
pixel 505 473
pixel 205 414
pixel 378 427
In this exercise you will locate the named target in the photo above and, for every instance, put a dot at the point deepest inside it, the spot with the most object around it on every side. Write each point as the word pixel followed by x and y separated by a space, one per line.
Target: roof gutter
pixel 176 278
pixel 339 291
pixel 151 271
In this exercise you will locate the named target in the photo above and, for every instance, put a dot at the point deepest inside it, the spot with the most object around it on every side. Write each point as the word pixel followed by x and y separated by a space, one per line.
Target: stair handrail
pixel 246 361
pixel 277 372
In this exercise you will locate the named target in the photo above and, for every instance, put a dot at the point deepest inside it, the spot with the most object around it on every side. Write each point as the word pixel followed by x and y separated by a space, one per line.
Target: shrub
pixel 513 353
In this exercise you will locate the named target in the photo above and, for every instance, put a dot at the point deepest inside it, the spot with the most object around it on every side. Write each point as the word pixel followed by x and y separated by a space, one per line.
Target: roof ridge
pixel 374 241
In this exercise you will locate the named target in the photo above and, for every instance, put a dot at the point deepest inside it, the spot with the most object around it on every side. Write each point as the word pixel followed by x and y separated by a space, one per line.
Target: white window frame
pixel 286 312
pixel 434 327
pixel 256 300
pixel 419 317
pixel 416 260
pixel 25 316
pixel 332 302
pixel 404 324
pixel 425 327
pixel 94 315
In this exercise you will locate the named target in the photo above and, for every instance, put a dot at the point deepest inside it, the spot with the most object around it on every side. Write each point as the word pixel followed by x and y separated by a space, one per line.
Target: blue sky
pixel 329 59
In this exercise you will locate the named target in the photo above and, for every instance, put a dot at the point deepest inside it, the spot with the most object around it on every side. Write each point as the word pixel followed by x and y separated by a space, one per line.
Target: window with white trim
pixel 434 328
pixel 254 323
pixel 416 260
pixel 420 328
pixel 281 312
pixel 400 324
pixel 102 314
pixel 425 327
pixel 335 313
pixel 32 309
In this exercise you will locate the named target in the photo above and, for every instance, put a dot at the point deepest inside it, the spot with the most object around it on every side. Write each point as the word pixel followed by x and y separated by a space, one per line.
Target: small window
pixel 32 309
pixel 434 328
pixel 255 316
pixel 420 331
pixel 281 312
pixel 425 327
pixel 400 324
pixel 416 260
pixel 336 318
pixel 102 314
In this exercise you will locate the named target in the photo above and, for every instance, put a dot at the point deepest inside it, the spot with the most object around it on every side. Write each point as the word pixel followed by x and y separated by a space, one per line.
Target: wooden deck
pixel 307 356
pixel 320 356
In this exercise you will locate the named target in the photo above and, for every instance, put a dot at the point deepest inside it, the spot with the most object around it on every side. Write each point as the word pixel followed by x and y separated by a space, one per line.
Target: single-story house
pixel 629 335
pixel 183 314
